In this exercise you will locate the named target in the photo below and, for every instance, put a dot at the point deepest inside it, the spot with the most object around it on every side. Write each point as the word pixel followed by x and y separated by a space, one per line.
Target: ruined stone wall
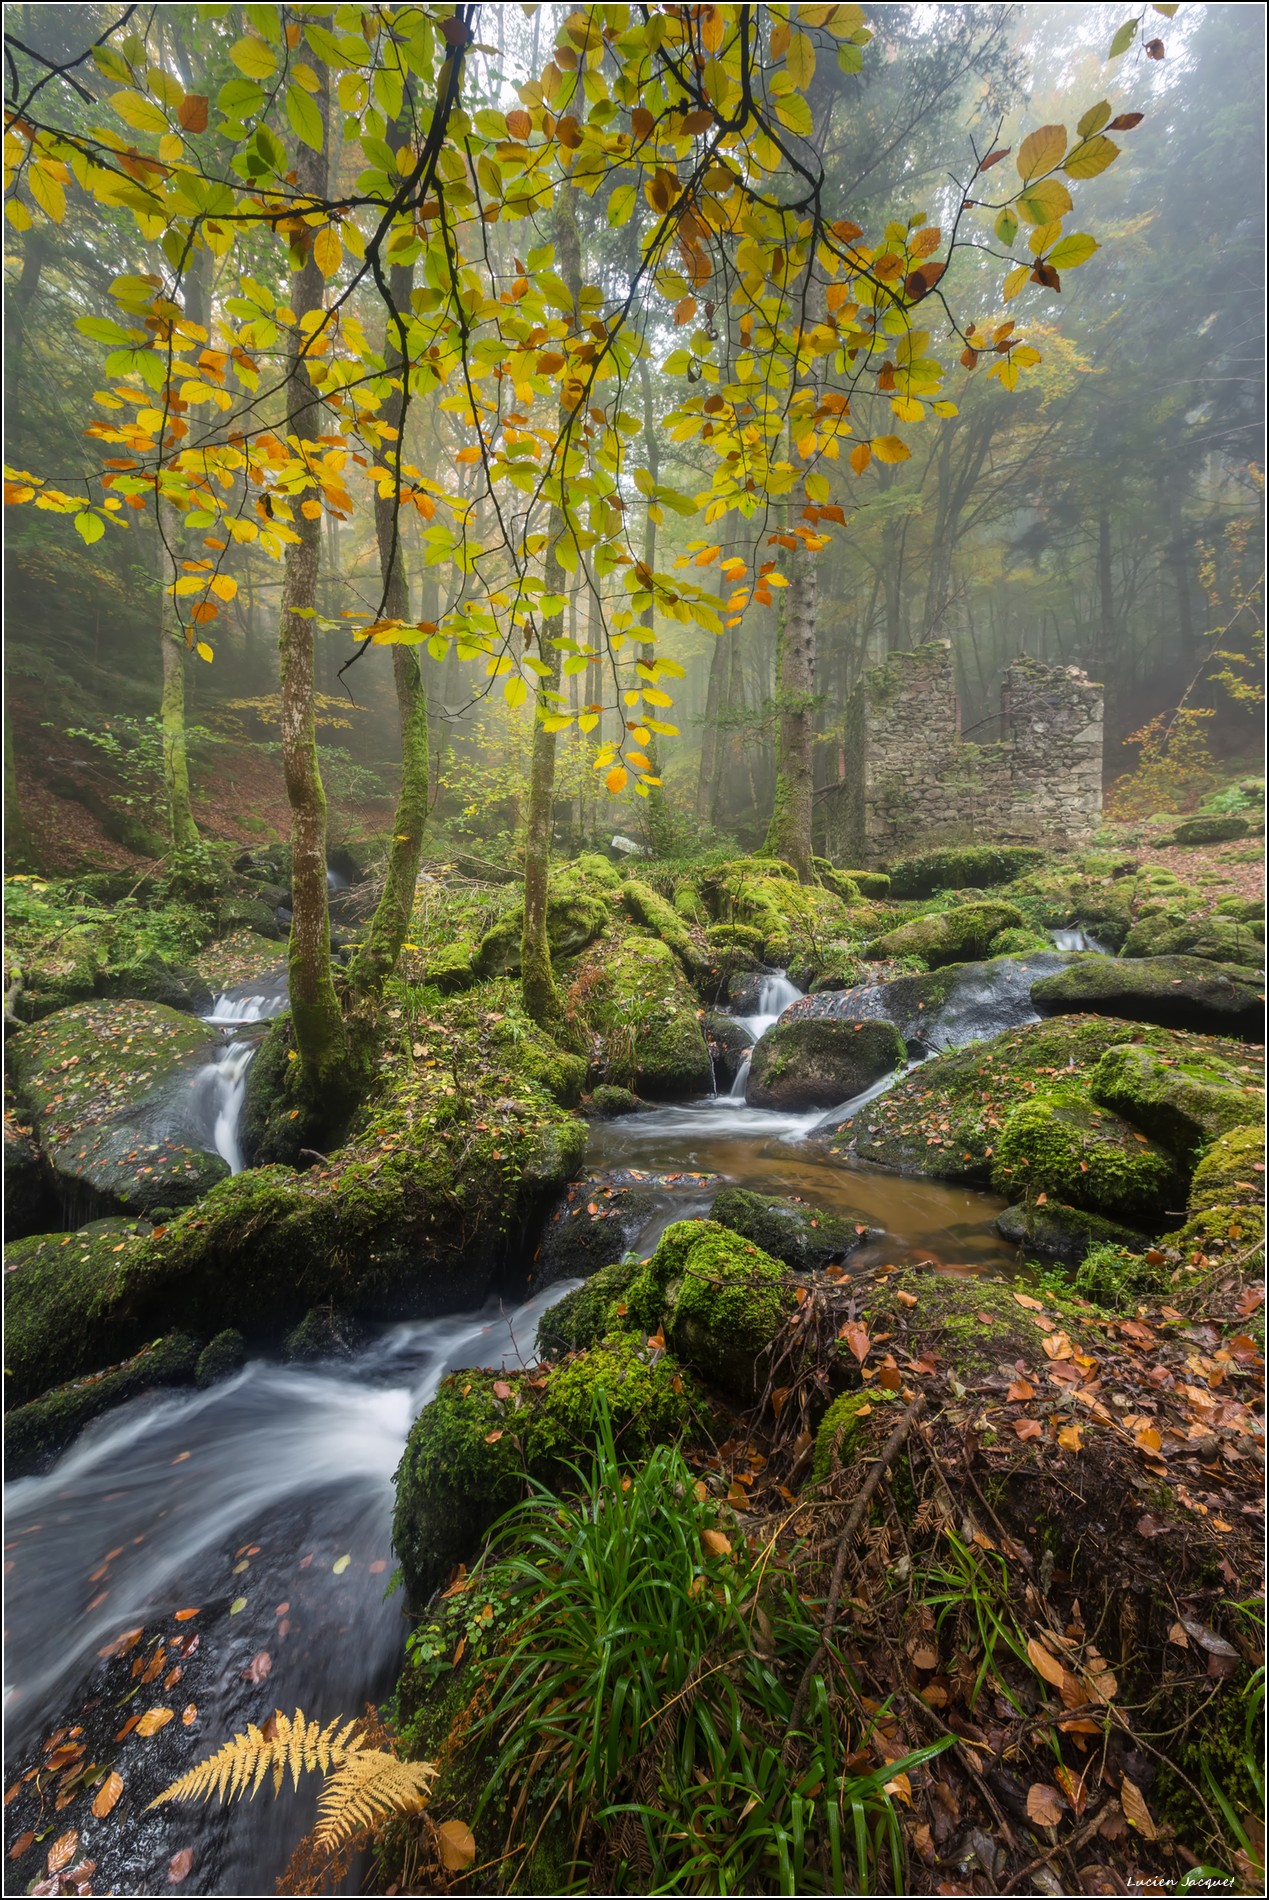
pixel 912 782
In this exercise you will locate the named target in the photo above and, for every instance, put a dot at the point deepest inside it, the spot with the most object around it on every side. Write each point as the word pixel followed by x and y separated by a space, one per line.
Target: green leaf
pixel 1091 156
pixel 239 98
pixel 621 203
pixel 1072 251
pixel 1007 226
pixel 91 527
pixel 1124 38
pixel 252 57
pixel 794 112
pixel 1094 119
pixel 304 117
pixel 102 330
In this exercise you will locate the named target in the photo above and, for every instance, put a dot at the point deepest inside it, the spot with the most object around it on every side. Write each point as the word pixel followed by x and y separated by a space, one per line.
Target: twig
pixel 889 1452
pixel 1073 1841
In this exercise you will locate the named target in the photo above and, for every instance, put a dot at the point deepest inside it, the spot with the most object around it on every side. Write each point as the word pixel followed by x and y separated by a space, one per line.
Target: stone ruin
pixel 913 783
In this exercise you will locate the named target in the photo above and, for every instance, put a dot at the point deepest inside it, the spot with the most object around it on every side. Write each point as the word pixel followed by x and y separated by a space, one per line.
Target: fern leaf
pixel 240 1765
pixel 368 1786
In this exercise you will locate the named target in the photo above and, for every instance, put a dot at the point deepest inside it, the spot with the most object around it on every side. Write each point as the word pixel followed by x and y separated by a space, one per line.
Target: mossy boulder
pixel 953 936
pixel 960 868
pixel 1060 1232
pixel 731 940
pixel 650 909
pixel 807 1062
pixel 1211 830
pixel 594 1222
pixel 599 1307
pixel 1173 933
pixel 630 991
pixel 802 1236
pixel 247 913
pixel 609 1102
pixel 221 1357
pixel 1061 1145
pixel 30 1203
pixel 60 1292
pixel 838 1432
pixel 1232 1172
pixel 840 883
pixel 725 1301
pixel 1019 942
pixel 580 901
pixel 1176 992
pixel 37 1431
pixel 763 895
pixel 471 1450
pixel 687 902
pixel 1183 1103
pixel 104 1085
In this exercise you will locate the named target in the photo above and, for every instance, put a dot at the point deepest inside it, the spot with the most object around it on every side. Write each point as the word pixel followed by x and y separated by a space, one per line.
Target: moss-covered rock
pixel 30 1203
pixel 963 867
pixel 221 1357
pixel 580 902
pixel 807 1062
pixel 730 938
pixel 1232 1172
pixel 1211 830
pixel 838 1431
pixel 650 909
pixel 1176 992
pixel 35 1432
pixel 764 896
pixel 1061 1145
pixel 725 1301
pixel 610 1102
pixel 247 913
pixel 803 1237
pixel 687 902
pixel 470 1451
pixel 729 1042
pixel 323 1333
pixel 1064 1233
pixel 1172 933
pixel 1019 942
pixel 870 884
pixel 599 1307
pixel 594 1222
pixel 1183 1103
pixel 953 936
pixel 630 991
pixel 840 883
pixel 90 1079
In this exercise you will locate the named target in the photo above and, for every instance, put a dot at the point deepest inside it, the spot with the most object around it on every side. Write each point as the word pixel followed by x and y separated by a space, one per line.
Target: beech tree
pixel 412 244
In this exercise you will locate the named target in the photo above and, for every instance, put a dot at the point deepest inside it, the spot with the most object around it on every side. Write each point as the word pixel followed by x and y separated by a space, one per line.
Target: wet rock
pixel 729 1043
pixel 803 1237
pixel 1176 992
pixel 1062 1146
pixel 34 1433
pixel 323 1333
pixel 221 1357
pixel 812 1062
pixel 1063 1233
pixel 594 1223
pixel 953 936
pixel 105 1086
pixel 30 1203
pixel 942 1009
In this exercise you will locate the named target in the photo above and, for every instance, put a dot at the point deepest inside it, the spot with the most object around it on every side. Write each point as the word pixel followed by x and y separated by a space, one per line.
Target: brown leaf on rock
pixel 179 1866
pixel 457 1846
pixel 153 1720
pixel 63 1851
pixel 106 1796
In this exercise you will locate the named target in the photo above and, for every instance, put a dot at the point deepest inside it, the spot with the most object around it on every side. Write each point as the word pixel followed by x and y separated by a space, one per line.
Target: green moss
pixel 955 936
pixel 579 904
pixel 1118 1278
pixel 838 1432
pixel 652 911
pixel 688 904
pixel 1175 992
pixel 725 1305
pixel 629 990
pixel 44 1426
pixel 803 1237
pixel 1232 1172
pixel 811 1062
pixel 1183 1104
pixel 1175 931
pixel 729 937
pixel 1213 830
pixel 585 1316
pixel 471 1449
pixel 963 867
pixel 841 883
pixel 220 1357
pixel 611 1102
pixel 1018 942
pixel 1062 1232
pixel 1061 1145
pixel 1215 1234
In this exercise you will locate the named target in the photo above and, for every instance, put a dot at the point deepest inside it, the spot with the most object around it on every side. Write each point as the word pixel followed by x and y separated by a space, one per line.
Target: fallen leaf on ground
pixel 457 1845
pixel 153 1720
pixel 1044 1804
pixel 1135 1809
pixel 106 1796
pixel 179 1865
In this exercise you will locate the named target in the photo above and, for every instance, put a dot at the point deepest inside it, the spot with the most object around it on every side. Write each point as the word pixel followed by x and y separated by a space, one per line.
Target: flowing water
pixel 266 1502
pixel 220 1086
pixel 774 996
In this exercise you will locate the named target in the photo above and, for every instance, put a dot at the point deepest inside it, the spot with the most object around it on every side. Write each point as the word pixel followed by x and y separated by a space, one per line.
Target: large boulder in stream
pixel 36 1432
pixel 952 936
pixel 1176 992
pixel 107 1087
pixel 945 1008
pixel 807 1062
pixel 802 1236
pixel 1081 1110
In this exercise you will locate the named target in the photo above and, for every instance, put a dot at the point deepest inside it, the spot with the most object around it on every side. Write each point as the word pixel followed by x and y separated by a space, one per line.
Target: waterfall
pixel 1076 939
pixel 775 993
pixel 222 1084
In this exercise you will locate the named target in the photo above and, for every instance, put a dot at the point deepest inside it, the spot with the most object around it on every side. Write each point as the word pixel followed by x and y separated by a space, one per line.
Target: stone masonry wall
pixel 912 782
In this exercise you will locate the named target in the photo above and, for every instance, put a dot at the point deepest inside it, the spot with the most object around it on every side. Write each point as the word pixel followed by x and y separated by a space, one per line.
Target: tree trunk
pixel 789 833
pixel 378 956
pixel 536 978
pixel 707 783
pixel 658 820
pixel 317 1020
pixel 173 640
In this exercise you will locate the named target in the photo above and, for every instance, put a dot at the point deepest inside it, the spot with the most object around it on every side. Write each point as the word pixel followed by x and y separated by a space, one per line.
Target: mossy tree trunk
pixel 659 829
pixel 541 998
pixel 174 642
pixel 317 1020
pixel 381 950
pixel 789 833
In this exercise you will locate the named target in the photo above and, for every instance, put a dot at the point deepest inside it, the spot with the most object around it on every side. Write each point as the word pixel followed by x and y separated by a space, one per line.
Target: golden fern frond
pixel 368 1786
pixel 241 1764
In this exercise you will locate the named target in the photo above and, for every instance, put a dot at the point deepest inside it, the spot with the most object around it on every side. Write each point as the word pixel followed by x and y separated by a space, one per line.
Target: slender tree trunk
pixel 317 1018
pixel 173 641
pixel 789 833
pixel 389 928
pixel 705 790
pixel 536 978
pixel 658 820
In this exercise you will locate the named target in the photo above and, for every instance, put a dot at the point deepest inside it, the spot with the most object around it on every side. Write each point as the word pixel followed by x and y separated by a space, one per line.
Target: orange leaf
pixel 1028 1427
pixel 106 1796
pixel 616 779
pixel 1044 1804
pixel 716 1543
pixel 457 1845
pixel 856 1337
pixel 1069 1438
pixel 63 1851
pixel 1135 1810
pixel 153 1720
pixel 906 1299
pixel 192 112
pixel 1019 1390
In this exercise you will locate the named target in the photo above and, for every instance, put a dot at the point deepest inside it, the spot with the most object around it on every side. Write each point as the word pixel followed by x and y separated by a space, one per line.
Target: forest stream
pixel 265 1503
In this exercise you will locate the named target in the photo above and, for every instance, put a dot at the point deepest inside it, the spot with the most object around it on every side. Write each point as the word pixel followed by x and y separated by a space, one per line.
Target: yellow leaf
pixel 890 448
pixel 860 456
pixel 1041 151
pixel 224 586
pixel 327 251
pixel 204 652
pixel 1014 282
pixel 1046 202
pixel 252 57
pixel 1091 156
pixel 139 112
pixel 153 1720
pixel 47 193
pixel 800 60
pixel 616 779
